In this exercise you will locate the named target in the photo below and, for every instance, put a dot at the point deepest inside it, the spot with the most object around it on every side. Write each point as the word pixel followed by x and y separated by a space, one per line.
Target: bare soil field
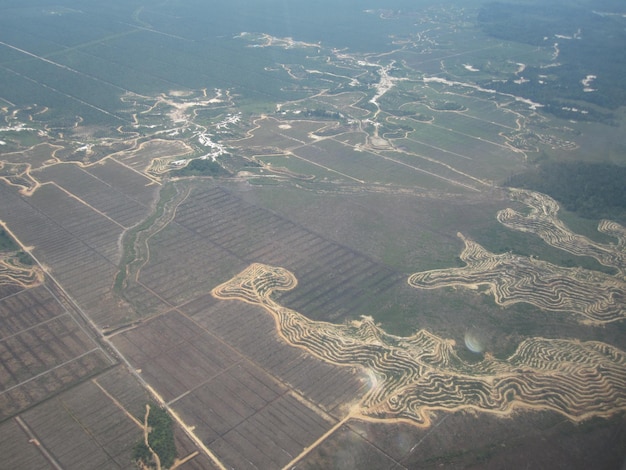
pixel 59 227
pixel 501 443
pixel 74 262
pixel 263 231
pixel 16 449
pixel 156 348
pixel 331 388
pixel 36 156
pixel 227 232
pixel 363 454
pixel 250 233
pixel 230 231
pixel 264 402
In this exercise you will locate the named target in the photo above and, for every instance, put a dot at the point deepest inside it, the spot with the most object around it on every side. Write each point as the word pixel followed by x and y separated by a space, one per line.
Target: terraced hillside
pixel 414 377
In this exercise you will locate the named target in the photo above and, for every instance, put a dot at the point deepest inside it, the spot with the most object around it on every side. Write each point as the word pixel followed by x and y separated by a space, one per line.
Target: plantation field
pixel 45 349
pixel 94 425
pixel 260 411
pixel 289 225
pixel 95 193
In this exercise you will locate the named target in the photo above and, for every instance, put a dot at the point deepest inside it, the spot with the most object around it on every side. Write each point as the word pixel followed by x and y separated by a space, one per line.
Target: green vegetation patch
pixel 588 44
pixel 201 167
pixel 6 242
pixel 131 253
pixel 160 440
pixel 24 258
pixel 592 190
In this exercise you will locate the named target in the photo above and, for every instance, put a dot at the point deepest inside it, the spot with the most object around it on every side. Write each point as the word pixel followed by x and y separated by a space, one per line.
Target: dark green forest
pixel 595 48
pixel 6 242
pixel 591 190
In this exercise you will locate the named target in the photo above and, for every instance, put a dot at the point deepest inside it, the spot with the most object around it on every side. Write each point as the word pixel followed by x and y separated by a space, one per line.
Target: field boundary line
pixel 85 203
pixel 35 326
pixel 76 316
pixel 7 101
pixel 41 374
pixel 421 170
pixel 441 149
pixel 127 166
pixel 117 403
pixel 213 377
pixel 33 440
pixel 321 439
pixel 430 431
pixel 187 429
pixel 2 299
pixel 82 320
pixel 325 167
pixel 68 68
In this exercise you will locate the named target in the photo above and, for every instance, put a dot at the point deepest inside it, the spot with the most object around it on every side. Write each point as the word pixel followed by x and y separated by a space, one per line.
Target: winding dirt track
pixel 413 377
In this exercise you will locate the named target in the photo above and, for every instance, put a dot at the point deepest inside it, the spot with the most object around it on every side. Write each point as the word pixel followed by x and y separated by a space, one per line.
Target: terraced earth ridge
pixel 12 272
pixel 414 377
pixel 543 220
pixel 511 278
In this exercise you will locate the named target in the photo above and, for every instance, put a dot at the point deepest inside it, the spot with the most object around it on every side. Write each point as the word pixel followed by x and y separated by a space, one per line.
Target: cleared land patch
pixel 414 377
pixel 543 220
pixel 511 278
pixel 399 111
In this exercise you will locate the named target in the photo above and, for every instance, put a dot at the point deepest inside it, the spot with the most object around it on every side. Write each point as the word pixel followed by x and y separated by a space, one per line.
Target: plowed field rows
pixel 27 309
pixel 17 451
pixel 43 350
pixel 91 228
pixel 82 260
pixel 274 435
pixel 158 350
pixel 132 184
pixel 365 453
pixel 254 334
pixel 335 280
pixel 227 374
pixel 81 428
pixel 176 272
pixel 95 192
